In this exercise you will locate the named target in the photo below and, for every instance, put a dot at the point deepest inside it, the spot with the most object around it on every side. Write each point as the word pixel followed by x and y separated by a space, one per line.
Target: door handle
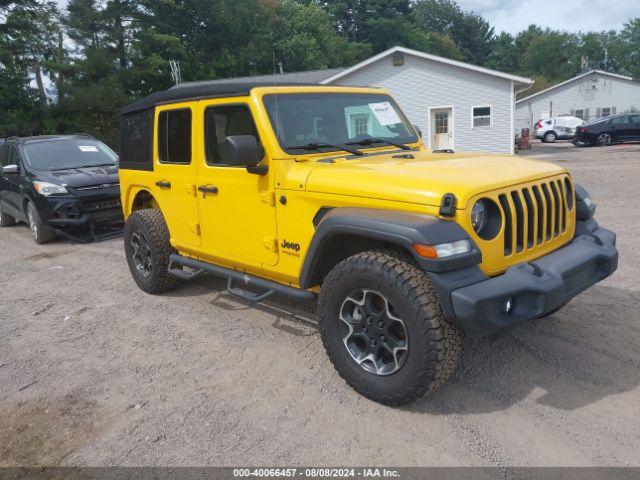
pixel 208 189
pixel 163 184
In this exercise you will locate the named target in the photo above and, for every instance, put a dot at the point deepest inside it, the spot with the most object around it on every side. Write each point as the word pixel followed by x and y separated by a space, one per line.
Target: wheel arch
pixel 343 232
pixel 140 198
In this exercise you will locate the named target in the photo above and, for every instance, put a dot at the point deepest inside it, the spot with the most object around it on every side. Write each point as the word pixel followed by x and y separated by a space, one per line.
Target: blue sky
pixel 572 15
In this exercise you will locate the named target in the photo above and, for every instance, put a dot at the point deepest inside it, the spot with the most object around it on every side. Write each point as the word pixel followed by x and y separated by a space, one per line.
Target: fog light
pixel 508 306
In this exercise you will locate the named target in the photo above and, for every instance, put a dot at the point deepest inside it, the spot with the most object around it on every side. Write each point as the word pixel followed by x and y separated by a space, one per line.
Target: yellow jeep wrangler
pixel 313 190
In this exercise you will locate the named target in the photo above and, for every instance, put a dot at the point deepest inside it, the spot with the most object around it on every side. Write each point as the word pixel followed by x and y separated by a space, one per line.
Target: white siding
pixel 420 84
pixel 593 91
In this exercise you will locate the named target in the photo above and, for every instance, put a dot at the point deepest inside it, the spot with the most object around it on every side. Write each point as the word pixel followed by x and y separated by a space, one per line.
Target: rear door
pixel 621 128
pixel 175 171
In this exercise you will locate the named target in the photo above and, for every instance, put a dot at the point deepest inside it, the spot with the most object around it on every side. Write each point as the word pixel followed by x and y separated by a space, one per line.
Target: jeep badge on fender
pixel 399 282
pixel 290 246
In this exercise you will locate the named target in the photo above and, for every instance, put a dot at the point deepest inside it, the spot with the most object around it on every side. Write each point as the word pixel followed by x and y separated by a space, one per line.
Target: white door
pixel 441 129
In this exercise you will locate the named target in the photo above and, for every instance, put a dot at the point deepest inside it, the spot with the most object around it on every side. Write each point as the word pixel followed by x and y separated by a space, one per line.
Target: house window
pixel 481 117
pixel 442 122
pixel 360 125
pixel 607 111
pixel 582 113
pixel 174 136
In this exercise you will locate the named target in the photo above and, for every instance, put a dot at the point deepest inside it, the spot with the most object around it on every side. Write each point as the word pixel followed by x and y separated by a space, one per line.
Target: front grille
pixel 98 205
pixel 535 214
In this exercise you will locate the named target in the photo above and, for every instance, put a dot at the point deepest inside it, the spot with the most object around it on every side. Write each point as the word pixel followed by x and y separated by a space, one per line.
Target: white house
pixel 591 95
pixel 457 105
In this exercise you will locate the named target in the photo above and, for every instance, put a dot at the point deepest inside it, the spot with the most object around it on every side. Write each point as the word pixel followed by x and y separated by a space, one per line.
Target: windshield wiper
pixel 370 141
pixel 318 146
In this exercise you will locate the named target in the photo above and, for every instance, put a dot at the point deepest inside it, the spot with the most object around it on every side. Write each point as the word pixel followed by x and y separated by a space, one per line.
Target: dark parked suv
pixel 608 130
pixel 65 185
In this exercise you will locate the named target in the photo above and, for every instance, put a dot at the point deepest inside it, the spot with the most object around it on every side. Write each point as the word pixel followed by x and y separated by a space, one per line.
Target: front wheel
pixel 40 232
pixel 6 220
pixel 383 329
pixel 147 248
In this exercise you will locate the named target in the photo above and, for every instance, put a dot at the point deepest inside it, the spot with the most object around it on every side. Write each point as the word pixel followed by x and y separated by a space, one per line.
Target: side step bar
pixel 199 267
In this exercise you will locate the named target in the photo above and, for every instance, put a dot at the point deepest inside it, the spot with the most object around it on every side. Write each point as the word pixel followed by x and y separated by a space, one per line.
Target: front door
pixel 441 129
pixel 237 208
pixel 175 172
pixel 11 191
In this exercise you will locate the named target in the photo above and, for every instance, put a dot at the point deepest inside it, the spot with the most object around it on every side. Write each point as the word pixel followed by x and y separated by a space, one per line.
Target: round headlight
pixel 479 216
pixel 486 218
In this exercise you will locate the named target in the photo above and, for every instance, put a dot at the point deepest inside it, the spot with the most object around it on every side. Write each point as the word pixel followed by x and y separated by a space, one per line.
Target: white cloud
pixel 570 15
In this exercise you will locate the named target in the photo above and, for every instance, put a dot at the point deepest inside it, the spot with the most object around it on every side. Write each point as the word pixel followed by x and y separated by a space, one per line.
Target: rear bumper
pixel 531 290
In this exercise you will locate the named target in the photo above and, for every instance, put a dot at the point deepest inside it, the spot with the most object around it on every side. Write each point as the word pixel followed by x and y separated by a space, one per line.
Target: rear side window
pixel 635 119
pixel 174 136
pixel 135 141
pixel 624 120
pixel 222 122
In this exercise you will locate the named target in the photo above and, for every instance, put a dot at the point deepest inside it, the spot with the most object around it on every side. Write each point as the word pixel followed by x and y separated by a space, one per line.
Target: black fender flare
pixel 403 229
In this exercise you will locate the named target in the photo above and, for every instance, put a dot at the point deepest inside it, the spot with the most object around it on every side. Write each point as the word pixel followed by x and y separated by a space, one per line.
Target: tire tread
pixel 441 340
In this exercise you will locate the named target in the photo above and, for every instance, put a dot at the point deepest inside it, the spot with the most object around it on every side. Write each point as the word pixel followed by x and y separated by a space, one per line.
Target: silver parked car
pixel 557 128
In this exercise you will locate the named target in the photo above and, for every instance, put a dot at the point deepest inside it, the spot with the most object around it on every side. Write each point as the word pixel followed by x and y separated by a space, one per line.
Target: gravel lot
pixel 95 372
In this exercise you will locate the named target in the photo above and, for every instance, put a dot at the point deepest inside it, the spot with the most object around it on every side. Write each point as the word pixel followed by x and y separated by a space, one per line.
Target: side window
pixel 174 136
pixel 635 119
pixel 14 156
pixel 222 122
pixel 136 146
pixel 4 155
pixel 622 120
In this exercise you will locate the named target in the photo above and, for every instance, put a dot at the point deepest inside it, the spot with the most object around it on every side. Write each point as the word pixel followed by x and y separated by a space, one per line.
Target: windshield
pixel 72 153
pixel 330 120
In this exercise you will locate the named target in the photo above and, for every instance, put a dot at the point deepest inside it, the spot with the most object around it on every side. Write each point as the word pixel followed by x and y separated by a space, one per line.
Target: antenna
pixel 275 83
pixel 176 75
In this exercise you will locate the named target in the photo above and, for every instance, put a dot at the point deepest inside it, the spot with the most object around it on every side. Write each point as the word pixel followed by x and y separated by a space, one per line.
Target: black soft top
pixel 200 91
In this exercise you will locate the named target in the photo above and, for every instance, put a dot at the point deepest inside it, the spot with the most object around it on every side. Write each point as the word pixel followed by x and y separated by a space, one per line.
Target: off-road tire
pixel 433 343
pixel 6 220
pixel 40 232
pixel 150 224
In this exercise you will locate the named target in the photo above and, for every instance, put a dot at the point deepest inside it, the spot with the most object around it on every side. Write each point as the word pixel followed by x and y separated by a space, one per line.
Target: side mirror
pixel 242 150
pixel 10 169
pixel 417 128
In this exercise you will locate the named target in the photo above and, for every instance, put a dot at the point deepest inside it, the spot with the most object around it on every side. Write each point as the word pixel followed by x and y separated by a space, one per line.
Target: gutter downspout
pixel 515 99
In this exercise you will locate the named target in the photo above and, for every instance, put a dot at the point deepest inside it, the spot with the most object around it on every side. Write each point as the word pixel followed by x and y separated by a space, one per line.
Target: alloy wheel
pixel 604 139
pixel 141 254
pixel 33 225
pixel 375 337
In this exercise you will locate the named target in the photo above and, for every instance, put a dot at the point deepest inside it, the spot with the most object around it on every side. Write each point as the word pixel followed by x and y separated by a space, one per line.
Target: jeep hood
pixel 426 178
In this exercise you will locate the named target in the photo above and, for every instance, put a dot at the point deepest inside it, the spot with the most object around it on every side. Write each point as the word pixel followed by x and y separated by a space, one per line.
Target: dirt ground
pixel 95 372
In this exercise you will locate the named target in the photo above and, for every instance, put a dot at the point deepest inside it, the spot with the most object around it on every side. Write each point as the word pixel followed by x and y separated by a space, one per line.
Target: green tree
pixel 472 34
pixel 628 52
pixel 27 44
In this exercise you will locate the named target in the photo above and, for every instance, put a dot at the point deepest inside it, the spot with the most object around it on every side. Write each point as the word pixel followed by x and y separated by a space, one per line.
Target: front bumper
pixel 531 290
pixel 76 215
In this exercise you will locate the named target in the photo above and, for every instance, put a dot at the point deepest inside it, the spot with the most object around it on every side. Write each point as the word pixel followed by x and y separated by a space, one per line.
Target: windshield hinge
pixel 271 244
pixel 269 198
